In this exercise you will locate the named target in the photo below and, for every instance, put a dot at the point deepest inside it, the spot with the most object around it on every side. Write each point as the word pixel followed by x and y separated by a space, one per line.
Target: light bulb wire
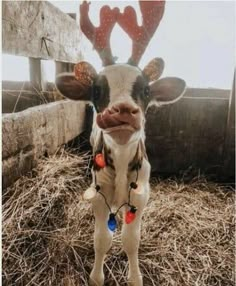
pixel 105 200
pixel 124 204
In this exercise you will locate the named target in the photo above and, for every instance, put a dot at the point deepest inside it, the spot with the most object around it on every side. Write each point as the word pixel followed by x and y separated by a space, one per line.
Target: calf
pixel 121 93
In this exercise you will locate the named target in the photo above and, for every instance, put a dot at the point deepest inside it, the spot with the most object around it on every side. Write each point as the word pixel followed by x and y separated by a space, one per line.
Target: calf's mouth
pixel 119 125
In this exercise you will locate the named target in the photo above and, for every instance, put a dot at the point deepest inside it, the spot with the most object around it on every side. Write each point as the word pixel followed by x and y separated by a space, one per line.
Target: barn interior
pixel 47 228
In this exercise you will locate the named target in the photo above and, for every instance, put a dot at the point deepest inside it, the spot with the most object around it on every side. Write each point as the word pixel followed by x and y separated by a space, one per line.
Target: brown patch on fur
pixel 137 161
pixel 108 158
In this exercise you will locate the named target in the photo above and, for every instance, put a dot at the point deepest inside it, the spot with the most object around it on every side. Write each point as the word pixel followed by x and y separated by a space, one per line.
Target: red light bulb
pixel 99 160
pixel 130 215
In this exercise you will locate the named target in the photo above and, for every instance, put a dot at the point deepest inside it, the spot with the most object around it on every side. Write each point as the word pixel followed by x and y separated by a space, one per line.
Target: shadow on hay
pixel 187 232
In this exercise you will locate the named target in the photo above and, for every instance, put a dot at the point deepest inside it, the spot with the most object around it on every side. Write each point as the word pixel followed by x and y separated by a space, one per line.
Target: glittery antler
pixel 152 12
pixel 99 36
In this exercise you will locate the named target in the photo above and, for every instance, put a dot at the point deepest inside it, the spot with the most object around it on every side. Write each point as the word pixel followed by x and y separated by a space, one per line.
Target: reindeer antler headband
pixel 152 12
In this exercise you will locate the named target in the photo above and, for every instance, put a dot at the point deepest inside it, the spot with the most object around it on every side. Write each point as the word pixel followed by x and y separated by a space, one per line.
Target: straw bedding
pixel 187 231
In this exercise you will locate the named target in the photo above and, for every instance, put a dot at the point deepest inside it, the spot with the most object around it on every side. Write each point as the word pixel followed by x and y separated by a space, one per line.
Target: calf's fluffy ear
pixel 77 85
pixel 153 70
pixel 70 87
pixel 167 90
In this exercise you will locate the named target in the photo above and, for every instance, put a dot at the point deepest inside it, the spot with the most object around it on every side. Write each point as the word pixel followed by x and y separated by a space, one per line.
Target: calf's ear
pixel 153 70
pixel 70 87
pixel 167 90
pixel 77 85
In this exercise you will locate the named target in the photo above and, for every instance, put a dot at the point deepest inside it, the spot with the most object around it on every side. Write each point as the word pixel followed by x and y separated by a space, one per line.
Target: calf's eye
pixel 147 91
pixel 96 92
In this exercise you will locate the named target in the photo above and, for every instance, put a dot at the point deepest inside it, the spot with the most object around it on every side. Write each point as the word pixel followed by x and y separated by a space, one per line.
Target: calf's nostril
pixel 135 111
pixel 125 108
pixel 116 109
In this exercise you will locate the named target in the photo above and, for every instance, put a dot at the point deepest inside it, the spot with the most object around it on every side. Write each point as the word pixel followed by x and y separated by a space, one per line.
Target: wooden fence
pixel 196 133
pixel 38 31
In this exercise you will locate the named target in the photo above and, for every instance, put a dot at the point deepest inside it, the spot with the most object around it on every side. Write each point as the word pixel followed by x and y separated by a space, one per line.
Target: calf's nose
pixel 122 108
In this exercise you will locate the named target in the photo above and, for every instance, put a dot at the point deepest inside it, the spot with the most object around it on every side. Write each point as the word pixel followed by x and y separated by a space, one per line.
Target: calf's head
pixel 121 93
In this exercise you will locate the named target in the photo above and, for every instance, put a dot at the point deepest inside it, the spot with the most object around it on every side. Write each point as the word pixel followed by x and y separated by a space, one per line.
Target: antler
pixel 152 12
pixel 99 36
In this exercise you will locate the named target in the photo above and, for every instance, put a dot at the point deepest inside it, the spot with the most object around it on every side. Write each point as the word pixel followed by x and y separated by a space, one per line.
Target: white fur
pixel 115 184
pixel 120 80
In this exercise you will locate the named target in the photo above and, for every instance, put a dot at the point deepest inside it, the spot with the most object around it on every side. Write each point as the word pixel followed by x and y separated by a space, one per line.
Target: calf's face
pixel 121 93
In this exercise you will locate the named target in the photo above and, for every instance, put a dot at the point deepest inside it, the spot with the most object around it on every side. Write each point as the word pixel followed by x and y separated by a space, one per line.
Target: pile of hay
pixel 187 232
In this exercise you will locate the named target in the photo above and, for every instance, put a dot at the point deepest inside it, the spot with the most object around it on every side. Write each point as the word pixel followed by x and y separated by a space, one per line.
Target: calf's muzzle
pixel 120 121
pixel 119 115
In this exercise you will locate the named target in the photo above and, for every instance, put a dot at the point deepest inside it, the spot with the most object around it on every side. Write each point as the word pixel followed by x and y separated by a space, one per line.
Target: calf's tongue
pixel 108 120
pixel 105 121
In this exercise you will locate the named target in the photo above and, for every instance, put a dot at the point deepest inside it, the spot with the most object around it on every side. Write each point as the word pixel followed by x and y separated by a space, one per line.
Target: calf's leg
pixel 130 240
pixel 102 242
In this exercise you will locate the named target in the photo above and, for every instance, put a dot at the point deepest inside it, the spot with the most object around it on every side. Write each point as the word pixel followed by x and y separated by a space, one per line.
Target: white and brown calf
pixel 121 94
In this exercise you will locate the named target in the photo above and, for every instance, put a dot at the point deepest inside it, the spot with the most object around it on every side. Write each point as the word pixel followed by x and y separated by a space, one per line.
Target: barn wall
pixel 190 134
pixel 187 135
pixel 35 132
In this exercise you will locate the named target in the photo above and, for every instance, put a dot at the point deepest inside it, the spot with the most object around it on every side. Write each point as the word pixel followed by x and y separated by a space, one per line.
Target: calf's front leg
pixel 102 242
pixel 130 240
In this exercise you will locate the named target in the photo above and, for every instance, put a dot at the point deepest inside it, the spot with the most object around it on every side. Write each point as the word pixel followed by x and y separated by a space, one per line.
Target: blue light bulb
pixel 112 224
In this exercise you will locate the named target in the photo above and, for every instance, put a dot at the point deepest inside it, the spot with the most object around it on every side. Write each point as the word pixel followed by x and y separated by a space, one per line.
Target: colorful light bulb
pixel 90 193
pixel 99 160
pixel 112 224
pixel 130 215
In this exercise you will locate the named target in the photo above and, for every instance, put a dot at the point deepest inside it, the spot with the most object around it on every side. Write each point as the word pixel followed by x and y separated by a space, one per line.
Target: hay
pixel 187 232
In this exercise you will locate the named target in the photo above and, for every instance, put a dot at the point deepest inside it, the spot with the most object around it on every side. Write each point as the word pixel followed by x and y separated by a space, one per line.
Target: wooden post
pixel 36 74
pixel 63 67
pixel 229 148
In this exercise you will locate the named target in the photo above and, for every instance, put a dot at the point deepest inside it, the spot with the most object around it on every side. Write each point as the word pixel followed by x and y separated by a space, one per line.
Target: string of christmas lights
pixel 131 213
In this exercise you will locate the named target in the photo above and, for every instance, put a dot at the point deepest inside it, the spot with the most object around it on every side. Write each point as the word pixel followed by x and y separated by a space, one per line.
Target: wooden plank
pixel 62 67
pixel 15 101
pixel 207 93
pixel 18 100
pixel 24 85
pixel 28 135
pixel 187 134
pixel 72 15
pixel 229 148
pixel 40 30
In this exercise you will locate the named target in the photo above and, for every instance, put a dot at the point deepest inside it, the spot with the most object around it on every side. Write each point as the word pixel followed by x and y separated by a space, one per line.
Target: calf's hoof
pixel 135 281
pixel 95 280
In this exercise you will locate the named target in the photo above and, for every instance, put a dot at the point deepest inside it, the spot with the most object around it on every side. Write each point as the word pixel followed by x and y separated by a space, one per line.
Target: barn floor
pixel 187 232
